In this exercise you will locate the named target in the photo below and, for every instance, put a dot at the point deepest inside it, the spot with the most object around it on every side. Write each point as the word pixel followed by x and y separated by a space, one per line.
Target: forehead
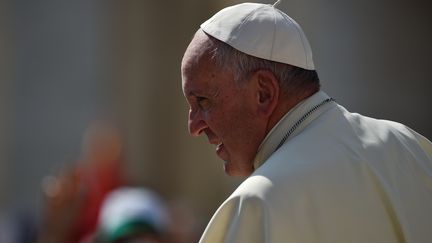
pixel 197 51
pixel 199 78
pixel 200 74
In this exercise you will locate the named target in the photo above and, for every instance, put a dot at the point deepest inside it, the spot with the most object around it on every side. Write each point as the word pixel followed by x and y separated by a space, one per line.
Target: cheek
pixel 237 123
pixel 232 118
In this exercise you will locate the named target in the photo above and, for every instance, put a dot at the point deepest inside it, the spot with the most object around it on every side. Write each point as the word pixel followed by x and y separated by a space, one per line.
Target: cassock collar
pixel 291 121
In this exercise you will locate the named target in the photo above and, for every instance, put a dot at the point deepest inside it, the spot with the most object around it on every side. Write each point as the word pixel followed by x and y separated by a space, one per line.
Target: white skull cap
pixel 263 31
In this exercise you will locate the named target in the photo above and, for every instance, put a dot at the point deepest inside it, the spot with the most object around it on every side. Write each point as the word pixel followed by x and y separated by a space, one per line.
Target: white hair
pixel 241 65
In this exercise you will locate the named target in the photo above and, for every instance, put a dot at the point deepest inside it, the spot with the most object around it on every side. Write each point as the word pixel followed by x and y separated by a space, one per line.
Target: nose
pixel 196 123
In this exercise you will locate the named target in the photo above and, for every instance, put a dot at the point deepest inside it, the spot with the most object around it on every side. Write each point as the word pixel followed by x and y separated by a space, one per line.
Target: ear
pixel 267 92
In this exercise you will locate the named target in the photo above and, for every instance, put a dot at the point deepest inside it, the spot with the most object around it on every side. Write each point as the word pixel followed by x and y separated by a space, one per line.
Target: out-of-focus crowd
pixel 92 201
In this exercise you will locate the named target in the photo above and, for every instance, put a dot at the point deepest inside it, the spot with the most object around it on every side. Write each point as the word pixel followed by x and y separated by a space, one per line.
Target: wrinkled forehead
pixel 197 69
pixel 199 49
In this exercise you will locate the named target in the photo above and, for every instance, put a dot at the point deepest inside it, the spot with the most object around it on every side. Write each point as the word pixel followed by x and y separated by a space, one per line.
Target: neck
pixel 285 104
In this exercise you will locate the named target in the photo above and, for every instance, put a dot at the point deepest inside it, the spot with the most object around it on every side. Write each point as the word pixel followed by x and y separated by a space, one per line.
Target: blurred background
pixel 66 65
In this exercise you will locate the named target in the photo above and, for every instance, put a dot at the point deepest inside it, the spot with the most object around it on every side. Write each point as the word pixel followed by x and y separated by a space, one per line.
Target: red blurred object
pixel 101 171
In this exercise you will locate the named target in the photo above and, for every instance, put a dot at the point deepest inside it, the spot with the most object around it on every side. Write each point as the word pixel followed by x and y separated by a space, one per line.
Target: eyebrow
pixel 194 94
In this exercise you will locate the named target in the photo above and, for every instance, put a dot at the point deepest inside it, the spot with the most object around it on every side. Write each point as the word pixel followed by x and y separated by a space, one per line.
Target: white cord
pixel 277 3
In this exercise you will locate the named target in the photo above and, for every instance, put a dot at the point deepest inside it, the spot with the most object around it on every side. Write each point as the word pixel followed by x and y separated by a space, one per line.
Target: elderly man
pixel 315 172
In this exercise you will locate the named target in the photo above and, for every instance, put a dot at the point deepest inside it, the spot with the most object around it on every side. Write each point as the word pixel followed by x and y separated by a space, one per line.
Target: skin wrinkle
pixel 228 120
pixel 236 118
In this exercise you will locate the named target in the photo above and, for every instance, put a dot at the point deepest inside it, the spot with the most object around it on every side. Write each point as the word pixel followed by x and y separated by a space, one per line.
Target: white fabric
pixel 263 31
pixel 341 177
pixel 127 204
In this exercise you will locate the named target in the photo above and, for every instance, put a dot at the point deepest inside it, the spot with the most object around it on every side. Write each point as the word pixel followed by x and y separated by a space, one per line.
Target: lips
pixel 221 152
pixel 220 147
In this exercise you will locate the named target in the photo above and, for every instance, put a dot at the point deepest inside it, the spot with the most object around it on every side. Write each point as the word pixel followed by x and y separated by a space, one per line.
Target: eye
pixel 203 103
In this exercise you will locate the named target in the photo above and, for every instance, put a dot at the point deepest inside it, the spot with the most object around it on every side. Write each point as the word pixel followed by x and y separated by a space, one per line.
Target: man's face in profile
pixel 221 109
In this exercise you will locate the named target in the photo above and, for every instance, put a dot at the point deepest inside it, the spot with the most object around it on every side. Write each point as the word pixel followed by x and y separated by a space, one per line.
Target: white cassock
pixel 338 177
